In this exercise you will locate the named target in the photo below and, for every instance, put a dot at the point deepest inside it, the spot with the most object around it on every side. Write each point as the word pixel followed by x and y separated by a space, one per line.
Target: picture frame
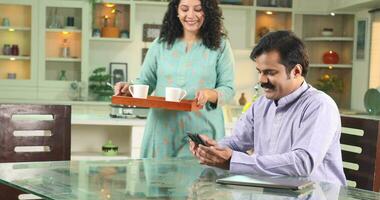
pixel 151 32
pixel 144 51
pixel 361 38
pixel 118 72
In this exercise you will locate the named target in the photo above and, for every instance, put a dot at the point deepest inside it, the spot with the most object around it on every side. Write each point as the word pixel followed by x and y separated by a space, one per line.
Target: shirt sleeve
pixel 242 138
pixel 225 76
pixel 318 128
pixel 148 73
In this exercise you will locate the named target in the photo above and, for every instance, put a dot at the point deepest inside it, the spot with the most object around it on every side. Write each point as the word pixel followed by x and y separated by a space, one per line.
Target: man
pixel 294 129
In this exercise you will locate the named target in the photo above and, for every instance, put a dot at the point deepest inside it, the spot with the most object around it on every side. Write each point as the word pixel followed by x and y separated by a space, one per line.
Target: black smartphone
pixel 196 138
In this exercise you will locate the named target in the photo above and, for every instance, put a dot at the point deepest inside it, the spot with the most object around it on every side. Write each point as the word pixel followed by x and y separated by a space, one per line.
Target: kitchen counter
pixel 89 119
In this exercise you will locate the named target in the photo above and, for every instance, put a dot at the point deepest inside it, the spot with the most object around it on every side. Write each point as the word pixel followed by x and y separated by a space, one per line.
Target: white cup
pixel 139 91
pixel 174 94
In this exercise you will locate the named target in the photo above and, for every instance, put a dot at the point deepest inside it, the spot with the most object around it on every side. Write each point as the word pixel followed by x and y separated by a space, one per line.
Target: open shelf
pixel 63 30
pixel 238 7
pixel 154 3
pixel 274 9
pixel 57 59
pixel 339 39
pixel 3 57
pixel 272 22
pixel 13 28
pixel 110 39
pixel 317 65
pixel 277 4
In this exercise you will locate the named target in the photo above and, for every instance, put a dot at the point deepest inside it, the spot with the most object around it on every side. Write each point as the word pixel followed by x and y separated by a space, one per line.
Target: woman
pixel 191 53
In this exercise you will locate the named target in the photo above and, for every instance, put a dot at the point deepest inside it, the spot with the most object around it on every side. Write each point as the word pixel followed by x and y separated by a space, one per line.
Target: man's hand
pixel 211 154
pixel 208 141
pixel 121 88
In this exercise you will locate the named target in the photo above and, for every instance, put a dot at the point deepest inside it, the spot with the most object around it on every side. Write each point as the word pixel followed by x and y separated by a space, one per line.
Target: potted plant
pixel 100 84
pixel 331 85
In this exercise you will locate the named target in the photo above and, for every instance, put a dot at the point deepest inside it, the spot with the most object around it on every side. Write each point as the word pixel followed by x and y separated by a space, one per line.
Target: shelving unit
pixel 112 19
pixel 17 69
pixel 270 20
pixel 310 27
pixel 63 24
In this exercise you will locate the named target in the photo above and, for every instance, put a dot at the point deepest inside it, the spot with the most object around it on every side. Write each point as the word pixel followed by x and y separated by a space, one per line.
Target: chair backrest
pixel 361 151
pixel 25 129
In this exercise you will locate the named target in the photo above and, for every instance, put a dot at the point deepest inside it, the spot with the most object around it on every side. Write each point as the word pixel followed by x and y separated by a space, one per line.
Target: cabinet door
pixel 18 36
pixel 63 46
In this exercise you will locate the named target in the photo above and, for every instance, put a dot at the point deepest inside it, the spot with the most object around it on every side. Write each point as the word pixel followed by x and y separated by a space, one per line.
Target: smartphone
pixel 196 138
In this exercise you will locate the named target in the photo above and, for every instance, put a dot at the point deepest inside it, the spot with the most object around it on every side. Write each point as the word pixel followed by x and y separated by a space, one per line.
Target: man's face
pixel 273 78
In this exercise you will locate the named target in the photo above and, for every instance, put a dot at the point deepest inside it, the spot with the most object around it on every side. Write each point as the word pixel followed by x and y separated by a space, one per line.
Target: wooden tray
pixel 156 102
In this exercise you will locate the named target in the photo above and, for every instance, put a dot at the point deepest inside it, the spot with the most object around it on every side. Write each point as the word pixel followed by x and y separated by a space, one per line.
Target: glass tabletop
pixel 146 179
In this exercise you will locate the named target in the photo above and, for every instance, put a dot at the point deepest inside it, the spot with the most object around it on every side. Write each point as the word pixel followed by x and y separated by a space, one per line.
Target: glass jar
pixel 7 50
pixel 15 50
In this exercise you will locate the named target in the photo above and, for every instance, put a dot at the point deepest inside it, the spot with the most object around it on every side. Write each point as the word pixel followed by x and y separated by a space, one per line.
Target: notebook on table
pixel 291 183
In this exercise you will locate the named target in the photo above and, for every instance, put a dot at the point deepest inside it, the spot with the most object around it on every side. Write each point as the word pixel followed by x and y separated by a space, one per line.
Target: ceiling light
pixel 269 12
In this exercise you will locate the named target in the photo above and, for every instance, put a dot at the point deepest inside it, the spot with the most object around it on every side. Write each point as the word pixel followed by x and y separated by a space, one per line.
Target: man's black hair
pixel 291 49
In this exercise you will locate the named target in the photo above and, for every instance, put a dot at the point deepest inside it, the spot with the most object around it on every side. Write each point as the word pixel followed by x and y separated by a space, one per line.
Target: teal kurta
pixel 198 68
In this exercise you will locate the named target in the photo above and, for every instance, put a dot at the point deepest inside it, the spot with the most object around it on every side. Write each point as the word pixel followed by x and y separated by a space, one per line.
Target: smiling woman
pixel 193 54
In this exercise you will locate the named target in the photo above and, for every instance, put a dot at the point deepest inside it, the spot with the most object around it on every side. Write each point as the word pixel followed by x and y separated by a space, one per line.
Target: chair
pixel 34 140
pixel 362 133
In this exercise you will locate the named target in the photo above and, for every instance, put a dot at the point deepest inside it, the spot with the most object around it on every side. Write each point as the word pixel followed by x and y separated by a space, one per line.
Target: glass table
pixel 147 179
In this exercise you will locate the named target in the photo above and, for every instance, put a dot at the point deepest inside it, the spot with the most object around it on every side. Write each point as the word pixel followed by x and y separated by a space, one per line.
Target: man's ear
pixel 297 70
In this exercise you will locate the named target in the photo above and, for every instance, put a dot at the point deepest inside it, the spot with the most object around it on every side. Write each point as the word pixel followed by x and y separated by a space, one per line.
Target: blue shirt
pixel 297 136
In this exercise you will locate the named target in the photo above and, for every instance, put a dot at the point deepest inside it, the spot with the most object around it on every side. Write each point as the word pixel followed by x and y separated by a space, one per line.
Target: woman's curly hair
pixel 211 31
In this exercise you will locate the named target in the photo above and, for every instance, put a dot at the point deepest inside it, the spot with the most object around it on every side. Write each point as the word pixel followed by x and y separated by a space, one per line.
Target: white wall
pixel 374 76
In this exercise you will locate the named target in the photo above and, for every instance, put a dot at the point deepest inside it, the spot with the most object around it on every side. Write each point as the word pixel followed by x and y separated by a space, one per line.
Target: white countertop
pixel 86 119
pixel 54 102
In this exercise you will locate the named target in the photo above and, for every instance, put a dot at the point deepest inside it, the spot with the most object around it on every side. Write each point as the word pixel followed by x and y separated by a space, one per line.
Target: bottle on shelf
pixel 256 95
pixel 15 50
pixel 7 50
pixel 242 100
pixel 62 75
pixel 65 49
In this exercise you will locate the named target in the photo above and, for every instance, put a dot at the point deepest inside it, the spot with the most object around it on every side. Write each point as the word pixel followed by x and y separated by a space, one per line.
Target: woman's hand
pixel 206 95
pixel 121 88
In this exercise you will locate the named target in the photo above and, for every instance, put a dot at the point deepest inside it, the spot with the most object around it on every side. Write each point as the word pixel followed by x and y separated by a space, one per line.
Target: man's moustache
pixel 267 85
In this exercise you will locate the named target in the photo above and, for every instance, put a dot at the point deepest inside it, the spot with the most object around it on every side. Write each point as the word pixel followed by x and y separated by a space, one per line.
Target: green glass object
pixel 110 149
pixel 62 75
pixel 372 101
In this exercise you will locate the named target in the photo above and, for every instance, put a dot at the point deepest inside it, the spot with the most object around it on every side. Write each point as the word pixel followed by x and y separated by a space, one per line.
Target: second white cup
pixel 139 91
pixel 174 94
